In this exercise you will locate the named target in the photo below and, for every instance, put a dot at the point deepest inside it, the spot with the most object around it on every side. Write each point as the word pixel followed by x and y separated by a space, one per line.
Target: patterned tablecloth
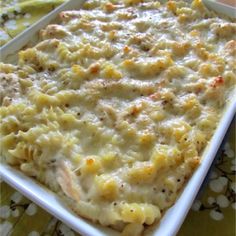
pixel 212 214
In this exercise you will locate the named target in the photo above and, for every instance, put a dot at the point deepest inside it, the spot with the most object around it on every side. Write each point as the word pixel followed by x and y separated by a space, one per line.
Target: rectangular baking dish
pixel 174 217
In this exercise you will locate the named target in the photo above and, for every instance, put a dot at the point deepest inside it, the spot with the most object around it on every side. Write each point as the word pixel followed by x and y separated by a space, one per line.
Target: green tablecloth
pixel 212 214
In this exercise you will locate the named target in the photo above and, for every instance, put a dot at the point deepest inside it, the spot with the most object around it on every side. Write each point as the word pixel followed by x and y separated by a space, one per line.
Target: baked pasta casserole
pixel 113 108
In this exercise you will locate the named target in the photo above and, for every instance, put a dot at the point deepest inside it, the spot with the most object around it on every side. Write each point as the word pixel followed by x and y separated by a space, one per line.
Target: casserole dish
pixel 186 197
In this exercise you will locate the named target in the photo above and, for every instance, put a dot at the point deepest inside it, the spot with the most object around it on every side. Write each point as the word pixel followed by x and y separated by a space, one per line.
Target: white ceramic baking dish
pixel 174 217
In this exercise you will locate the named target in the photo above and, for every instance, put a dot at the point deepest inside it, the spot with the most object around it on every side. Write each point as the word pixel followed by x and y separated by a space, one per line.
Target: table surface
pixel 213 212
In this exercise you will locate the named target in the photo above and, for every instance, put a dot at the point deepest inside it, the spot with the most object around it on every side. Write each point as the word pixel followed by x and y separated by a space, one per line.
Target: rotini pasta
pixel 114 107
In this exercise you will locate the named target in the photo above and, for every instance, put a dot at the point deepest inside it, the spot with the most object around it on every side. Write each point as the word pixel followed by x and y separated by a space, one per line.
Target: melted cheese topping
pixel 114 107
